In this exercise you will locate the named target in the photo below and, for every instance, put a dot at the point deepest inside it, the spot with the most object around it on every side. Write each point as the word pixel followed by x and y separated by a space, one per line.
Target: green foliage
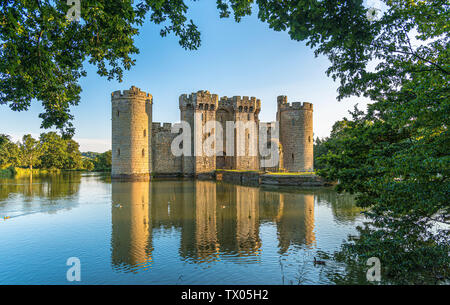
pixel 30 151
pixel 9 152
pixel 88 164
pixel 54 150
pixel 319 150
pixel 395 155
pixel 43 53
pixel 51 151
pixel 103 161
pixel 90 154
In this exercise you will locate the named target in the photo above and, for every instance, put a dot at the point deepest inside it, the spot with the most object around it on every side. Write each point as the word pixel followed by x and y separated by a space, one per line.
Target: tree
pixel 103 161
pixel 88 164
pixel 9 152
pixel 74 159
pixel 54 154
pixel 43 52
pixel 394 156
pixel 30 151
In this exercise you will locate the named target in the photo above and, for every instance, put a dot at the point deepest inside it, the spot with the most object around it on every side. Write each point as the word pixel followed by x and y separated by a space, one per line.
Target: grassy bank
pixel 291 174
pixel 14 172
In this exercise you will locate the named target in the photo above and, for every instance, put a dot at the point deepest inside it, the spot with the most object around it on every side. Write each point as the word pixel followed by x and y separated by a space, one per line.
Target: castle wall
pixel 164 162
pixel 296 135
pixel 244 113
pixel 272 144
pixel 224 114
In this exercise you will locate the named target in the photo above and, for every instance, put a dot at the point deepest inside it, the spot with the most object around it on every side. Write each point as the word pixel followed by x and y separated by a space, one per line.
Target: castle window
pixel 206 106
pixel 292 157
pixel 248 117
pixel 240 108
pixel 145 133
pixel 212 107
pixel 293 122
pixel 118 152
pixel 143 152
pixel 245 109
pixel 118 112
pixel 202 116
pixel 251 109
pixel 200 106
pixel 309 139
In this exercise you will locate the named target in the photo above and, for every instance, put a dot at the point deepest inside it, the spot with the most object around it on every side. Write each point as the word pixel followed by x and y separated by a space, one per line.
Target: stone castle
pixel 141 147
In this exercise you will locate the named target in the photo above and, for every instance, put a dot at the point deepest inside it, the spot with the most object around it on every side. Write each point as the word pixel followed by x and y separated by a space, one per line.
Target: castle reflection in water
pixel 215 220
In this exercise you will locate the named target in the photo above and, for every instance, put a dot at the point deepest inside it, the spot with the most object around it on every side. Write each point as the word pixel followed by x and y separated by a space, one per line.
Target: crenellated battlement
pixel 200 100
pixel 133 93
pixel 241 104
pixel 295 106
pixel 161 127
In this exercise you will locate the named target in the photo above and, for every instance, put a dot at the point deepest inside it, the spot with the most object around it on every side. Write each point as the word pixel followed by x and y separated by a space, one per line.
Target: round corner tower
pixel 131 134
pixel 296 135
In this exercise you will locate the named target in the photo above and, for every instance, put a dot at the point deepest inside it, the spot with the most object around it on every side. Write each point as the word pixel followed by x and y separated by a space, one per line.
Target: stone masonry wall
pixel 164 162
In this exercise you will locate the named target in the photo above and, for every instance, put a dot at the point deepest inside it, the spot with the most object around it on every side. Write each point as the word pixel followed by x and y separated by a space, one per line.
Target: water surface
pixel 167 231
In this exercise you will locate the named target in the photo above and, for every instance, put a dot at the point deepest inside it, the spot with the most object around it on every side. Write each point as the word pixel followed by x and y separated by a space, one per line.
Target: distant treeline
pixel 50 151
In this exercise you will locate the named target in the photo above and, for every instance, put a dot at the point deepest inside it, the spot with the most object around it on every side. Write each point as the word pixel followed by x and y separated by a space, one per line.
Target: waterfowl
pixel 317 262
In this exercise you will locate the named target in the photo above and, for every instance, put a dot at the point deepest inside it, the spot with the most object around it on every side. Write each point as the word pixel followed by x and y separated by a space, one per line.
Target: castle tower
pixel 198 109
pixel 246 111
pixel 131 134
pixel 296 135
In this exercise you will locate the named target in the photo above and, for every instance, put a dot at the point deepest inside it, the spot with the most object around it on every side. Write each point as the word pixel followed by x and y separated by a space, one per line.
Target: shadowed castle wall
pixel 197 109
pixel 164 162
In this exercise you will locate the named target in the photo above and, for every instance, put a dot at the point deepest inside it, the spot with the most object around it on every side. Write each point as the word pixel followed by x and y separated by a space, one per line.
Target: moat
pixel 168 231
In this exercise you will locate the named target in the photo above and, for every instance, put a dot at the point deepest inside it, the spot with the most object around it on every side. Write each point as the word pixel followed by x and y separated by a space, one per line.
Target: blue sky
pixel 246 59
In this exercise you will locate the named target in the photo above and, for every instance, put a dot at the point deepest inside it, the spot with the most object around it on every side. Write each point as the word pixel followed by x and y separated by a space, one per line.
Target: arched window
pixel 245 109
pixel 143 152
pixel 145 133
pixel 251 109
pixel 206 106
pixel 200 107
pixel 212 107
pixel 240 108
